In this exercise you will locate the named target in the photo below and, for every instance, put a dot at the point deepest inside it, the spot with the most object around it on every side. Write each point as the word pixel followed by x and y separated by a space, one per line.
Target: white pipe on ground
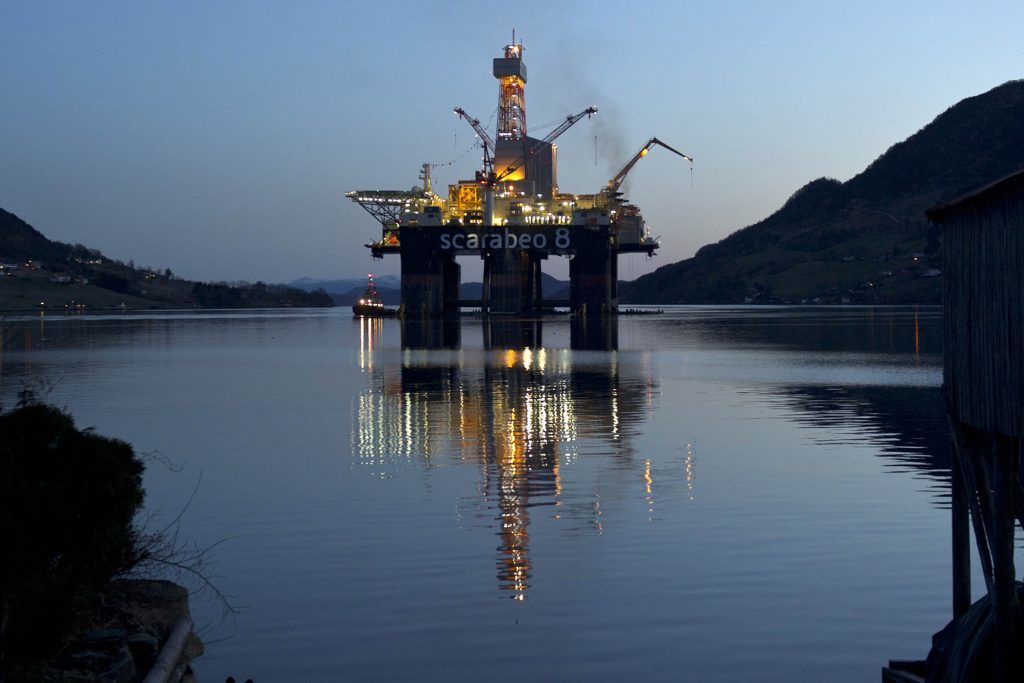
pixel 164 665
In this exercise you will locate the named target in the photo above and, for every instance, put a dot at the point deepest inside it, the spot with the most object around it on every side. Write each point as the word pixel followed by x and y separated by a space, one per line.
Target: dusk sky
pixel 219 139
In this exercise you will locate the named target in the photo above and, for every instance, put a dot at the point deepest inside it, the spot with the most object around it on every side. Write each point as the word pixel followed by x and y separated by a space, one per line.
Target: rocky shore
pixel 137 630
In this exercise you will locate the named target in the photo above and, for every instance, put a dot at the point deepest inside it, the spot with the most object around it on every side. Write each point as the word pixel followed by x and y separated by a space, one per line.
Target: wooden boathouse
pixel 983 385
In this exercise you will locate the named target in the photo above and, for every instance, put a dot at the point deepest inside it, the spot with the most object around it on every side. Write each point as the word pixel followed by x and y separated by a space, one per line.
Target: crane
pixel 616 181
pixel 488 178
pixel 488 141
pixel 565 125
pixel 548 139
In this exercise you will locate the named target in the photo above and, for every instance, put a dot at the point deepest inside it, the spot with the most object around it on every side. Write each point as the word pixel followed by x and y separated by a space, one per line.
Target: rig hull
pixel 512 256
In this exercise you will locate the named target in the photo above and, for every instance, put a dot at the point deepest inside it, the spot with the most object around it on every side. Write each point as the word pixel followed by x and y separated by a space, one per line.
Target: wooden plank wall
pixel 983 279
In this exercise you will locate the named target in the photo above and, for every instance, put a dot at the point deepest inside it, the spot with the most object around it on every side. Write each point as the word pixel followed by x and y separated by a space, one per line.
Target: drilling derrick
pixel 523 165
pixel 511 72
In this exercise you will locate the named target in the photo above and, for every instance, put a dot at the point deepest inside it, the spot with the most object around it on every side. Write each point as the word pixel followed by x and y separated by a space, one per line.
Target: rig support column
pixel 509 273
pixel 591 273
pixel 451 271
pixel 430 278
pixel 536 294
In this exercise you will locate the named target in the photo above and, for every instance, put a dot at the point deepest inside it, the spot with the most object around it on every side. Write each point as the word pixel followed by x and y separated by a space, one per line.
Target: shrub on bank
pixel 67 501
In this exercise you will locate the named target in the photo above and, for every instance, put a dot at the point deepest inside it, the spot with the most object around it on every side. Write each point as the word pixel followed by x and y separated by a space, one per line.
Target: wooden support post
pixel 1018 501
pixel 1004 484
pixel 960 514
pixel 986 472
pixel 964 455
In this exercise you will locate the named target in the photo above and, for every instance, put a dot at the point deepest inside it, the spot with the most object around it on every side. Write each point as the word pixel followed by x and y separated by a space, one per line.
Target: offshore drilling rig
pixel 513 216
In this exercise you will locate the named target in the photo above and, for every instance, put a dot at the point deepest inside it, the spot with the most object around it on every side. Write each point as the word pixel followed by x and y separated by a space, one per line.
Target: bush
pixel 68 498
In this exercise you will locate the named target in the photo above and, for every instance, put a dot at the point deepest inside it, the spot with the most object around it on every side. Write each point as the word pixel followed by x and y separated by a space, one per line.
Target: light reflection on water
pixel 715 493
pixel 514 413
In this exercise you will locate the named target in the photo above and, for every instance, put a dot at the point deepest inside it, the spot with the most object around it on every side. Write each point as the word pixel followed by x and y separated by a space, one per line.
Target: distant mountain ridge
pixel 863 240
pixel 345 285
pixel 347 291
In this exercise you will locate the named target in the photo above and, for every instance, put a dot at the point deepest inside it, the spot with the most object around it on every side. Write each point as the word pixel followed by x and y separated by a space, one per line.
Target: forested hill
pixel 39 273
pixel 863 240
pixel 19 241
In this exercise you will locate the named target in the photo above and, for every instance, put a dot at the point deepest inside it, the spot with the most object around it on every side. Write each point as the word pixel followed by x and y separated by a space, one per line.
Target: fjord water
pixel 714 494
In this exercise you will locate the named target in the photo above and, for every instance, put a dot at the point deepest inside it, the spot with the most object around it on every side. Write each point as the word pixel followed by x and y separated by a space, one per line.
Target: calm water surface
pixel 714 494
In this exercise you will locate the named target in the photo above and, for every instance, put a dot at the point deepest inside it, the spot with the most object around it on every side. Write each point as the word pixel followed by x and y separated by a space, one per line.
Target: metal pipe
pixel 166 661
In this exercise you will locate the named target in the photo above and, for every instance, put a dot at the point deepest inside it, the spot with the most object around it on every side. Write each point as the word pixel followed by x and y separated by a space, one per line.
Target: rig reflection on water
pixel 512 407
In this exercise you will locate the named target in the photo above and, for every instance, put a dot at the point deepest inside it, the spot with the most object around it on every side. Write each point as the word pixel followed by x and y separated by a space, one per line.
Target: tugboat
pixel 370 304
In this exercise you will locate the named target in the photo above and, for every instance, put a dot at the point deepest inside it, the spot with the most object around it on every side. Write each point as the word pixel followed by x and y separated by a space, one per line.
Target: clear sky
pixel 219 138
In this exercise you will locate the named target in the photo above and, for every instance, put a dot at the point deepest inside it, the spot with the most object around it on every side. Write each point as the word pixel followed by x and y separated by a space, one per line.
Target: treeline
pixel 258 295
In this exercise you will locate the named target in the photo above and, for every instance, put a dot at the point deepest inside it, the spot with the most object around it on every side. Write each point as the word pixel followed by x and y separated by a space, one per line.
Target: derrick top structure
pixel 511 73
pixel 523 165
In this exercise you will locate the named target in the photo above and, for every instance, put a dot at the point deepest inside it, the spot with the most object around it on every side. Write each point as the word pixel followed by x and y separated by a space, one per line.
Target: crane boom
pixel 475 123
pixel 564 126
pixel 616 181
pixel 548 139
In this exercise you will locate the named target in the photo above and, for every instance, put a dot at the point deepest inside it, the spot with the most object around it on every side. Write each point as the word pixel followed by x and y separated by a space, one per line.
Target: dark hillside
pixel 865 240
pixel 19 241
pixel 38 273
